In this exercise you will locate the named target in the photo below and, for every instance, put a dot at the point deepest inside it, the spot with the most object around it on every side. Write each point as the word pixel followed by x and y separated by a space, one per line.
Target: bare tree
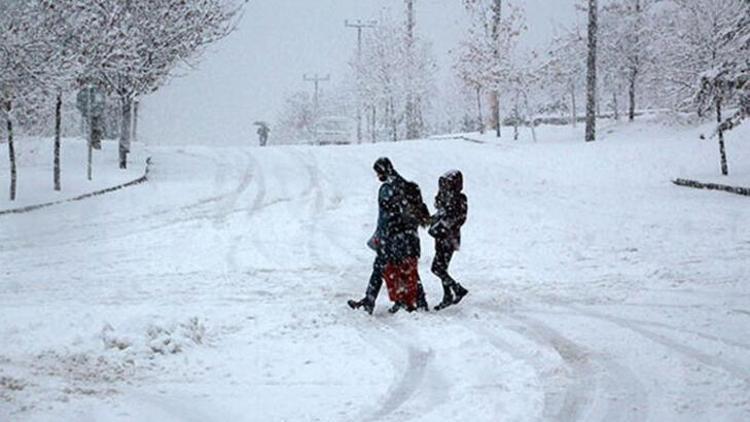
pixel 395 78
pixel 138 44
pixel 564 70
pixel 24 56
pixel 591 73
pixel 497 16
pixel 489 46
pixel 729 80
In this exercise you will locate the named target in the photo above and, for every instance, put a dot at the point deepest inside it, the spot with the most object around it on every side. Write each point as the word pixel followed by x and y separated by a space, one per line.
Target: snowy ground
pixel 35 179
pixel 599 291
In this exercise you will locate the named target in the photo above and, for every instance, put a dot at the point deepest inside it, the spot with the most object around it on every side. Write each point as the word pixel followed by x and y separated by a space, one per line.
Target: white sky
pixel 246 77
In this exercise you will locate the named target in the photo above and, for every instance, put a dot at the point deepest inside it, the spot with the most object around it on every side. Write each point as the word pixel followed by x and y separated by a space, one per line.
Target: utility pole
pixel 413 112
pixel 359 25
pixel 316 80
pixel 410 22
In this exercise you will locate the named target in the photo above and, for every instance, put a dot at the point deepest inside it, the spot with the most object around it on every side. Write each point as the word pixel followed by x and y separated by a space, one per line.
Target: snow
pixel 217 290
pixel 35 163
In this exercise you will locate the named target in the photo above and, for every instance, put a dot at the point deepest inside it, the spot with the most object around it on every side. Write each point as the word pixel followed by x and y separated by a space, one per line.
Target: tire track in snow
pixel 407 385
pixel 590 376
pixel 252 173
pixel 597 381
pixel 733 369
pixel 117 228
pixel 316 189
pixel 412 369
pixel 705 336
pixel 134 226
pixel 316 212
pixel 227 203
pixel 552 403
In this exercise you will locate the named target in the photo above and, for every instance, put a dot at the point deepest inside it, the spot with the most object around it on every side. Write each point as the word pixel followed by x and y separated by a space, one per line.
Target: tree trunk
pixel 413 102
pixel 532 123
pixel 591 74
pixel 573 111
pixel 374 130
pixel 615 106
pixel 394 122
pixel 359 121
pixel 631 93
pixel 634 71
pixel 598 103
pixel 58 125
pixel 480 118
pixel 722 149
pixel 496 113
pixel 497 17
pixel 90 160
pixel 136 107
pixel 516 117
pixel 124 147
pixel 11 150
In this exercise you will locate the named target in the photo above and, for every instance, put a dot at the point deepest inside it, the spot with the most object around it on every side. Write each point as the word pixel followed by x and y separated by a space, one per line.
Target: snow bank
pixel 35 165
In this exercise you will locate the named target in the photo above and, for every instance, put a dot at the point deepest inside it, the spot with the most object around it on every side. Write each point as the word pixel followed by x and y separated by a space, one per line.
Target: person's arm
pixel 387 198
pixel 456 211
pixel 462 210
pixel 385 203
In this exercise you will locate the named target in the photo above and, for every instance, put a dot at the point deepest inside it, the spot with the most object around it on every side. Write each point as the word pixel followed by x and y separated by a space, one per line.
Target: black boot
pixel 365 304
pixel 460 292
pixel 396 307
pixel 447 298
pixel 422 300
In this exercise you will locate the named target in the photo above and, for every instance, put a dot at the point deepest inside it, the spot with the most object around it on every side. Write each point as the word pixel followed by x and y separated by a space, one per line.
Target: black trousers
pixel 444 251
pixel 376 278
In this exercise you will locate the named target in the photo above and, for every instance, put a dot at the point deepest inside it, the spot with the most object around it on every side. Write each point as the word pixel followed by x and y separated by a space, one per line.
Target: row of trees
pixel 49 49
pixel 684 55
pixel 389 85
pixel 681 55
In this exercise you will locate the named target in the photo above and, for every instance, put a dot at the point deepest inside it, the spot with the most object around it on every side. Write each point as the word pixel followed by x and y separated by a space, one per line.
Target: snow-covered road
pixel 217 291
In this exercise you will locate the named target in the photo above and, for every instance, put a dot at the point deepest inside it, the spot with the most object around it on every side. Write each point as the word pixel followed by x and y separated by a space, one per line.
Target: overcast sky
pixel 245 77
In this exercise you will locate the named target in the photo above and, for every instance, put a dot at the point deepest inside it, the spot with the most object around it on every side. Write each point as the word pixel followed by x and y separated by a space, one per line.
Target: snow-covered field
pixel 599 291
pixel 35 181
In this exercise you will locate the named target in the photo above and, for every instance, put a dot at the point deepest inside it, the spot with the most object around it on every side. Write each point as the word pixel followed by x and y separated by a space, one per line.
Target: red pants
pixel 402 279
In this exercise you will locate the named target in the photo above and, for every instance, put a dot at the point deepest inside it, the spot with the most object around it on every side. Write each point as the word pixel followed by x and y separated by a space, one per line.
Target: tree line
pixel 686 56
pixel 51 49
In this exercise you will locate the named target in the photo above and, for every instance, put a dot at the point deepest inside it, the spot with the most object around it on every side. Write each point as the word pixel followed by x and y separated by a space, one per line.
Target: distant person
pixel 263 131
pixel 452 206
pixel 396 242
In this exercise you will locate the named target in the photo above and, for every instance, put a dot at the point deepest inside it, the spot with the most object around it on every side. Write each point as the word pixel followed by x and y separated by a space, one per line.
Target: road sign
pixel 90 101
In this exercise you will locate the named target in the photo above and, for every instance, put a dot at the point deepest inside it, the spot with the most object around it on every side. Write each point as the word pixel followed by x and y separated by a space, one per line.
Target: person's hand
pixel 374 243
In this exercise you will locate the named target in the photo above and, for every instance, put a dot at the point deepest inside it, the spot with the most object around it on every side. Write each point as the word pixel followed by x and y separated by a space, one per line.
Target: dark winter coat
pixel 396 231
pixel 452 209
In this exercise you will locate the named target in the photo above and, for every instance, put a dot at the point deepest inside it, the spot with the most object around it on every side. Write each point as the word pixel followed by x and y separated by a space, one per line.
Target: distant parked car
pixel 334 130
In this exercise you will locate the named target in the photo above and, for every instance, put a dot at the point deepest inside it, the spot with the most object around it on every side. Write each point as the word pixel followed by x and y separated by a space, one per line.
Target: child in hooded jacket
pixel 451 211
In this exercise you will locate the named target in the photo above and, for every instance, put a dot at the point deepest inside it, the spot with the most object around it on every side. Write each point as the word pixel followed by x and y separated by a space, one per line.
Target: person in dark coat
pixel 263 131
pixel 452 207
pixel 396 239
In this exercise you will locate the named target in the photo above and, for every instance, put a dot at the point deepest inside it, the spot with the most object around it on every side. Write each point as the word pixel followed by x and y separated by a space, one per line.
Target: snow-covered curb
pixel 458 138
pixel 712 186
pixel 34 207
